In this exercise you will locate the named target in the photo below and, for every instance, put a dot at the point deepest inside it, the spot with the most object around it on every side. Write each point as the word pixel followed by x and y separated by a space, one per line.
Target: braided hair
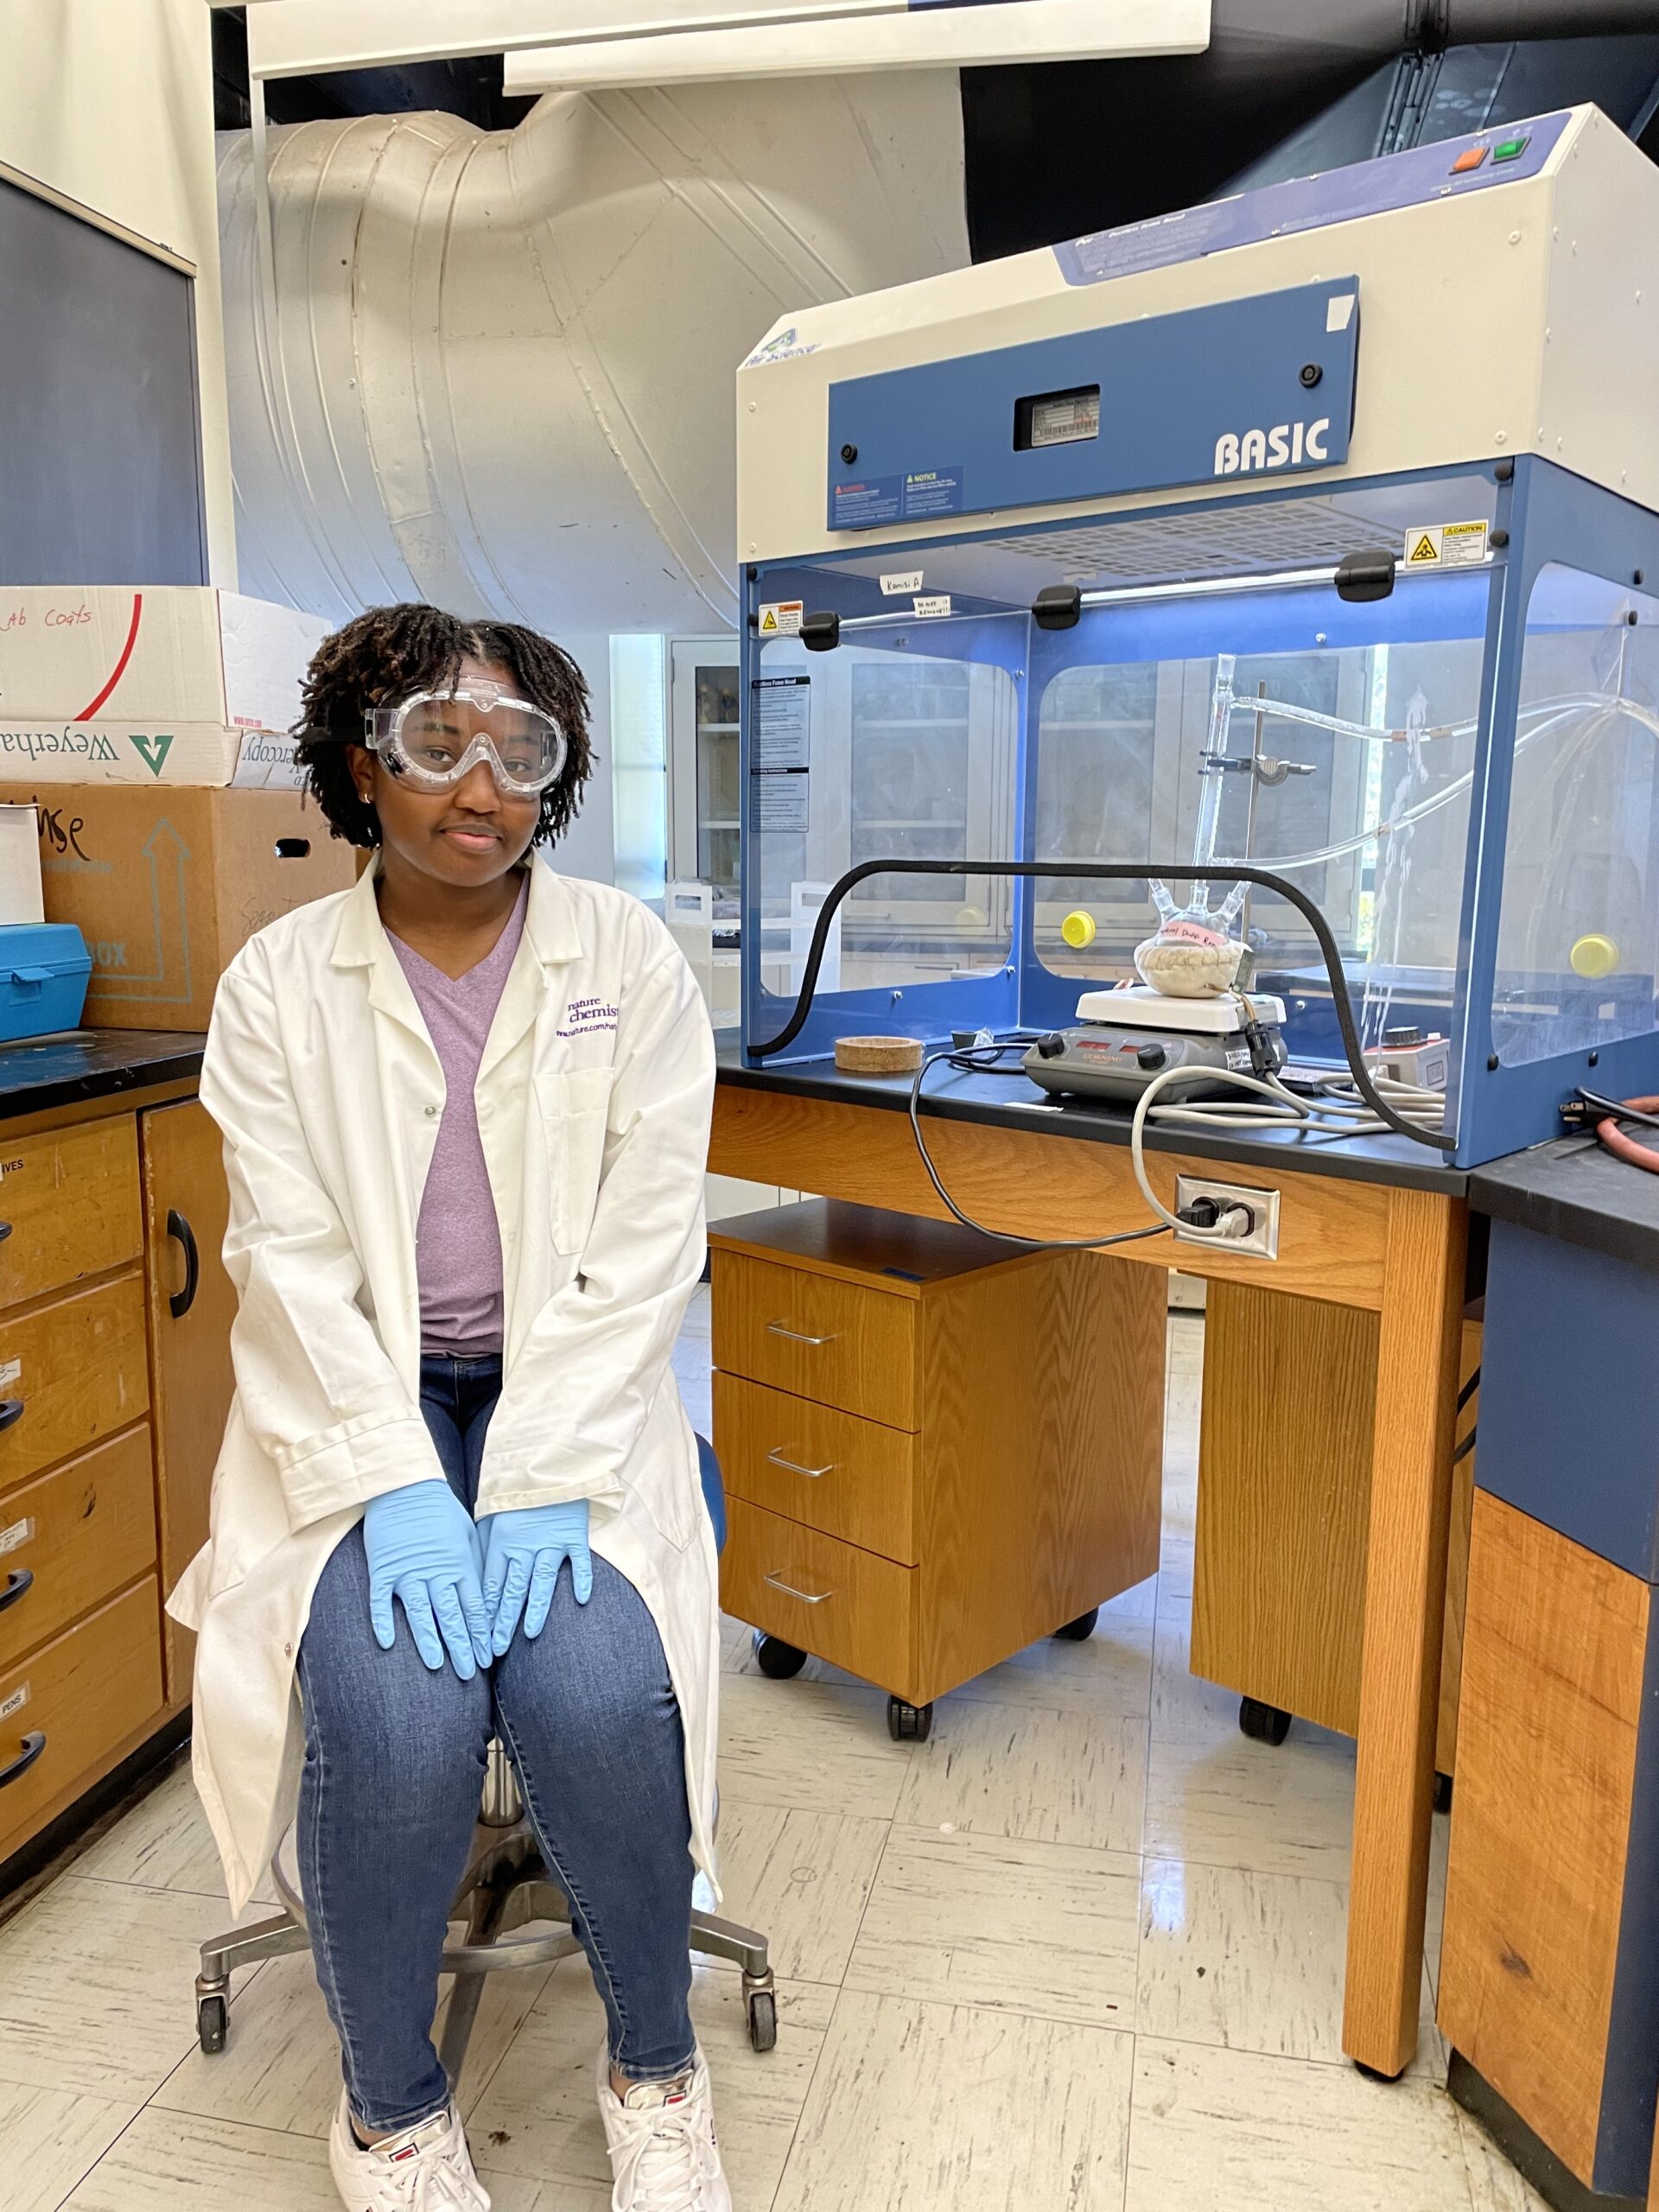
pixel 384 657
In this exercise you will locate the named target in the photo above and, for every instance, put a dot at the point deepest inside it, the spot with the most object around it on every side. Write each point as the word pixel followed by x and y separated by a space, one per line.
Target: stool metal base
pixel 505 1886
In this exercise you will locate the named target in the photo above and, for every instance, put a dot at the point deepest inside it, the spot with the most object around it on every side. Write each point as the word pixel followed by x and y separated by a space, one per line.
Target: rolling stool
pixel 505 1886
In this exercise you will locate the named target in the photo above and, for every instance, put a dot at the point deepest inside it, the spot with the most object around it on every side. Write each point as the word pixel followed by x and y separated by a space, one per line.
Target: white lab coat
pixel 594 1101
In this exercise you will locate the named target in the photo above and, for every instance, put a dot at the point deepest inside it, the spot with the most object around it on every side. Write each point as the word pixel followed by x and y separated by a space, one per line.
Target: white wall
pixel 111 103
pixel 589 850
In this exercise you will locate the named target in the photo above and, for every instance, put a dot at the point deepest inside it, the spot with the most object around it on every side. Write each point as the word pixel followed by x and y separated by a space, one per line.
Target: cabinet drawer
pixel 84 1693
pixel 78 1370
pixel 79 1534
pixel 823 1596
pixel 70 1201
pixel 817 1338
pixel 849 1478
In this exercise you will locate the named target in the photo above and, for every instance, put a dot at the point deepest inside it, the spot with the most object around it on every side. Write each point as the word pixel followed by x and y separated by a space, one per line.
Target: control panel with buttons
pixel 1107 1060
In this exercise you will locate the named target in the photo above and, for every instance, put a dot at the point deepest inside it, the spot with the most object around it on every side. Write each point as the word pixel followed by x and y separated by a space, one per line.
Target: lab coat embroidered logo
pixel 587 1018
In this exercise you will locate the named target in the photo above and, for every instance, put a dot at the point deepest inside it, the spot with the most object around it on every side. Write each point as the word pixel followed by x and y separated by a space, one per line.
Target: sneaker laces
pixel 664 2162
pixel 435 2182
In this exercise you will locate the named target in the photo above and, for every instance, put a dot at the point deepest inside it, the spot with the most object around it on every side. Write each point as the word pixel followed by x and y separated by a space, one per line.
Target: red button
pixel 1471 158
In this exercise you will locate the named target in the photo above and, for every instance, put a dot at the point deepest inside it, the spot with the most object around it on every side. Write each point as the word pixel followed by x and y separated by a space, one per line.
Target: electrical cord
pixel 1116 871
pixel 1606 1115
pixel 984 1060
pixel 1327 1107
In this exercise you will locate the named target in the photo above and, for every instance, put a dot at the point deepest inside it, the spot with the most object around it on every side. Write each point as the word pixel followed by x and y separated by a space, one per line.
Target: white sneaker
pixel 426 2168
pixel 662 2142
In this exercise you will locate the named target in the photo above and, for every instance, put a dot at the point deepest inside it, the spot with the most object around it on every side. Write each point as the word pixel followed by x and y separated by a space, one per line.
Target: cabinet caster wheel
pixel 775 1657
pixel 763 2020
pixel 1264 1723
pixel 1079 1630
pixel 909 1724
pixel 213 2024
pixel 1442 1793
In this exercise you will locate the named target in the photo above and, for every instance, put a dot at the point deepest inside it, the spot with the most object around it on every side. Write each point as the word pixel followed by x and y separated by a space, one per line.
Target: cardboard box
pixel 145 684
pixel 166 886
pixel 123 753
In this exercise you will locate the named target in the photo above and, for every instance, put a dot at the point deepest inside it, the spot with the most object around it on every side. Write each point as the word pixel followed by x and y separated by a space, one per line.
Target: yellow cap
pixel 1078 929
pixel 1594 957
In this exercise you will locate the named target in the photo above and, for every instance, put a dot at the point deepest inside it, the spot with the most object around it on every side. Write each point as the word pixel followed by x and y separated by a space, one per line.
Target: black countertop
pixel 76 1065
pixel 1015 1102
pixel 1575 1188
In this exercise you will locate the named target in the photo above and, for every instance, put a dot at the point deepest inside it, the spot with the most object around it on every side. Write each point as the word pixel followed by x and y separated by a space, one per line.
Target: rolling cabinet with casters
pixel 936 1450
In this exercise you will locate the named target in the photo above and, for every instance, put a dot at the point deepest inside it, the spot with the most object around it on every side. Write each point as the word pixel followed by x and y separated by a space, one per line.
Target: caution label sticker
pixel 931 604
pixel 781 618
pixel 1446 545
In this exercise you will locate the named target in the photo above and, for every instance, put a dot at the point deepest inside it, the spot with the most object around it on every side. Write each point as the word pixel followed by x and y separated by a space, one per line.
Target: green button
pixel 1511 150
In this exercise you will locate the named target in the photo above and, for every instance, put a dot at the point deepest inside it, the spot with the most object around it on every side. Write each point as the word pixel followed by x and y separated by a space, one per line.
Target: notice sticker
pixel 931 605
pixel 781 618
pixel 1446 545
pixel 15 1702
pixel 13 1539
pixel 783 723
pixel 901 585
pixel 10 1373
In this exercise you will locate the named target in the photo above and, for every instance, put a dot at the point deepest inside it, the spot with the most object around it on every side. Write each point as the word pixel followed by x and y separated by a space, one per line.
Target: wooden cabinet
pixel 935 1451
pixel 115 1381
pixel 192 1304
pixel 1284 1507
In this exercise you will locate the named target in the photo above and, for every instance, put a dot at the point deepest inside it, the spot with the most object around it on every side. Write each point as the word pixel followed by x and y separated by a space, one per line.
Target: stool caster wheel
pixel 1079 1630
pixel 213 2024
pixel 1264 1723
pixel 909 1724
pixel 775 1657
pixel 1442 1793
pixel 763 2019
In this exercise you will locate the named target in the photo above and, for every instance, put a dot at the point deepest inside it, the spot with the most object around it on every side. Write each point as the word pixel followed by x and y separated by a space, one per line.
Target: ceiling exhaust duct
pixel 496 371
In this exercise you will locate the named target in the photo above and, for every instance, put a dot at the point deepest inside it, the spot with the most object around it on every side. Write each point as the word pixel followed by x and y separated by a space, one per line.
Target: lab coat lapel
pixel 551 939
pixel 411 1105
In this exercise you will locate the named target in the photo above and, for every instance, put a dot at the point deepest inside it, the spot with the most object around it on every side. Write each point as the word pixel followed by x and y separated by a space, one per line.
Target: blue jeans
pixel 394 1769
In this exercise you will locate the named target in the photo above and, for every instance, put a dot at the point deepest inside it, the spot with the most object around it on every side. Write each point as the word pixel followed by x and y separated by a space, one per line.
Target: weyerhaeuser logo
pixel 44 744
pixel 1287 445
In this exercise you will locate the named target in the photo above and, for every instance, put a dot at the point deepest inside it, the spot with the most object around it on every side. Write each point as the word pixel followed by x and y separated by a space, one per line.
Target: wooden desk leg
pixel 1405 1602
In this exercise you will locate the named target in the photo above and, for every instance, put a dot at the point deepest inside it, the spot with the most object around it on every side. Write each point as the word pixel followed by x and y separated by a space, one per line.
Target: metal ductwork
pixel 1055 150
pixel 496 370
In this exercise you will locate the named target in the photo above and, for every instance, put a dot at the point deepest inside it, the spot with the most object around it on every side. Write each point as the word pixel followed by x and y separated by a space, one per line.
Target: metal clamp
pixel 789 1591
pixel 777 1329
pixel 795 1467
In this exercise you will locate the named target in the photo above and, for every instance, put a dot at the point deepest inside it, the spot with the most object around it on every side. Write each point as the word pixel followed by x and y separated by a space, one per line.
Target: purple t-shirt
pixel 458 1239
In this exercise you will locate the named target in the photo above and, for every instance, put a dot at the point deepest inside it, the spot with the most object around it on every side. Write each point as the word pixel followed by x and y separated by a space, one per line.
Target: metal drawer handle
pixel 34 1745
pixel 18 1584
pixel 11 1412
pixel 789 1591
pixel 796 1468
pixel 777 1329
pixel 5 1230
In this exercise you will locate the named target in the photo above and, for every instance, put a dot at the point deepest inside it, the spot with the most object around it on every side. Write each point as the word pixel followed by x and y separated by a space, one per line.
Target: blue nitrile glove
pixel 523 1554
pixel 423 1549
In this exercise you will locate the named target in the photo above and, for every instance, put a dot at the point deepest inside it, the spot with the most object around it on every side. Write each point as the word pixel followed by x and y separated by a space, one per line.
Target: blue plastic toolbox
pixel 44 967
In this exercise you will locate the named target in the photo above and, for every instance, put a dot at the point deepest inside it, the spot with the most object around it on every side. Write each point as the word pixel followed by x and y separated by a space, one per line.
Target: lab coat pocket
pixel 572 1103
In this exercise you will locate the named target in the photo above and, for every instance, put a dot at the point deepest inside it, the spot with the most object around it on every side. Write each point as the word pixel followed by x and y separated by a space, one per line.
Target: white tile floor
pixel 1083 1950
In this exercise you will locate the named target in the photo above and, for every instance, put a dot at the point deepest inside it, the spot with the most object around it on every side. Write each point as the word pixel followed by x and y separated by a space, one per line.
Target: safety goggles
pixel 435 739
